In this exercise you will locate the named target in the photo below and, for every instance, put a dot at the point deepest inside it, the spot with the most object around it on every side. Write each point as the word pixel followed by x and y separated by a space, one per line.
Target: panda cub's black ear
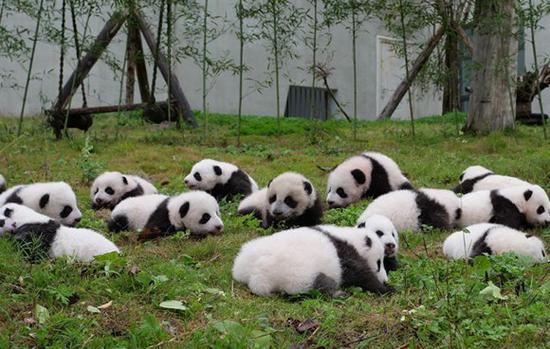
pixel 308 188
pixel 269 183
pixel 125 180
pixel 184 209
pixel 44 200
pixel 527 195
pixel 217 170
pixel 359 176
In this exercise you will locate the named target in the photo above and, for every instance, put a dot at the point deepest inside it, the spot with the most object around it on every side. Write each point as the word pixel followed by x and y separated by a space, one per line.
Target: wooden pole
pixel 141 67
pixel 130 68
pixel 177 92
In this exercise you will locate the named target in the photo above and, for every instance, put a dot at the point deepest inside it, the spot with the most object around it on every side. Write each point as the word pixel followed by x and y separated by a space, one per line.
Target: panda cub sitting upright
pixel 492 239
pixel 53 199
pixel 2 184
pixel 323 257
pixel 476 178
pixel 29 227
pixel 161 215
pixel 414 209
pixel 220 179
pixel 387 234
pixel 367 175
pixel 521 207
pixel 289 198
pixel 110 188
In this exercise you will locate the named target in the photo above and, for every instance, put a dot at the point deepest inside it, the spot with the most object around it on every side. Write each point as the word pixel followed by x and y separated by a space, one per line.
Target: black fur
pixel 432 213
pixel 159 219
pixel 355 270
pixel 325 284
pixel 406 185
pixel 44 200
pixel 238 183
pixel 311 216
pixel 118 224
pixel 390 263
pixel 480 246
pixel 2 188
pixel 249 210
pixel 14 197
pixel 458 214
pixel 137 191
pixel 505 212
pixel 379 183
pixel 468 185
pixel 35 239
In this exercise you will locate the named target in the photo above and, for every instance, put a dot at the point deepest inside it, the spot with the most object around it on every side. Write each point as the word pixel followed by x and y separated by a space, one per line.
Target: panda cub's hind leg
pixel 328 286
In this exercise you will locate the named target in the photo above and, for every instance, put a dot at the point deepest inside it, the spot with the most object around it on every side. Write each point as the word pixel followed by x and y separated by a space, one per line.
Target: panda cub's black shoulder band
pixel 468 185
pixel 480 247
pixel 137 191
pixel 505 212
pixel 379 182
pixel 238 183
pixel 36 239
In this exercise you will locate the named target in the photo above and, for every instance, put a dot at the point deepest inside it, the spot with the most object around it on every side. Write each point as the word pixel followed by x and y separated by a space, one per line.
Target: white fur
pixel 115 181
pixel 256 201
pixel 81 244
pixel 138 210
pixel 385 230
pixel 60 195
pixel 289 261
pixel 289 184
pixel 500 239
pixel 477 207
pixel 491 182
pixel 341 177
pixel 209 179
pixel 401 209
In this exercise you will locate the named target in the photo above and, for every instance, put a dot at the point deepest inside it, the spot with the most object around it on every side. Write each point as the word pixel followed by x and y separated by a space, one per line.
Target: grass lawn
pixel 437 304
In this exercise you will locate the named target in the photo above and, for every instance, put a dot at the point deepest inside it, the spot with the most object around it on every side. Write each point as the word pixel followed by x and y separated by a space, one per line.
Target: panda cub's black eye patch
pixel 272 199
pixel 379 233
pixel 109 190
pixel 205 218
pixel 8 212
pixel 66 211
pixel 290 202
pixel 378 264
pixel 540 210
pixel 197 176
pixel 340 191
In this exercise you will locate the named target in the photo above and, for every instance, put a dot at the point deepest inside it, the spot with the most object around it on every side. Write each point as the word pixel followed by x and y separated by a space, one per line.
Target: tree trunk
pixel 450 90
pixel 492 101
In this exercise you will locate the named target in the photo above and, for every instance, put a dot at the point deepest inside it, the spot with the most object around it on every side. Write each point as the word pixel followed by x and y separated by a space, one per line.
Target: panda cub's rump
pixel 56 200
pixel 370 174
pixel 414 209
pixel 160 215
pixel 492 239
pixel 110 188
pixel 476 178
pixel 322 257
pixel 220 179
pixel 38 234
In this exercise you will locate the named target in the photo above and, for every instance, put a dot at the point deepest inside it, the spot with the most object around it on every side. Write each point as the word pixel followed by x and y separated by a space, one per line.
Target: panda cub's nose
pixel 330 203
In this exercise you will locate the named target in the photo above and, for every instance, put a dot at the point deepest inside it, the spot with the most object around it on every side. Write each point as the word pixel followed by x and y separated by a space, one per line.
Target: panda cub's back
pixel 138 209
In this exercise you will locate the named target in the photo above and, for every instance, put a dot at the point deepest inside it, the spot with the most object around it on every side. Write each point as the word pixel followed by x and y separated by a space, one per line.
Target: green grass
pixel 437 304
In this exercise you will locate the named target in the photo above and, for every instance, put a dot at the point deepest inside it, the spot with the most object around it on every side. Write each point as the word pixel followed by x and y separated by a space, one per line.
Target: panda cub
pixel 476 178
pixel 520 207
pixel 2 184
pixel 27 226
pixel 289 198
pixel 413 209
pixel 492 239
pixel 220 179
pixel 387 234
pixel 161 215
pixel 53 199
pixel 110 188
pixel 367 175
pixel 323 257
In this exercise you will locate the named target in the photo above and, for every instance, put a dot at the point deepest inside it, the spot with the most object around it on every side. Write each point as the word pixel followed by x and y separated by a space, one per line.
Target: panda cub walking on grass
pixel 370 174
pixel 161 215
pixel 39 234
pixel 53 199
pixel 220 179
pixel 289 198
pixel 324 257
pixel 110 188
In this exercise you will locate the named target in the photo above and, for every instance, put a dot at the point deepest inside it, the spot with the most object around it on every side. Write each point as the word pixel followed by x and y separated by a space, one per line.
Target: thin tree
pixel 204 66
pixel 405 53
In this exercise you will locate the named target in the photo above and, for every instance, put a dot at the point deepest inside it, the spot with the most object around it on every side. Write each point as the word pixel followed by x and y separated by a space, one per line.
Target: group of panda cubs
pixel 308 256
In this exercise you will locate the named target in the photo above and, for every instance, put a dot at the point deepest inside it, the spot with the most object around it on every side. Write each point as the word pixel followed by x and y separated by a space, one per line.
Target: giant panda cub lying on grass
pixel 289 198
pixel 370 174
pixel 39 235
pixel 161 215
pixel 476 178
pixel 220 179
pixel 53 199
pixel 386 232
pixel 110 188
pixel 492 239
pixel 324 257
